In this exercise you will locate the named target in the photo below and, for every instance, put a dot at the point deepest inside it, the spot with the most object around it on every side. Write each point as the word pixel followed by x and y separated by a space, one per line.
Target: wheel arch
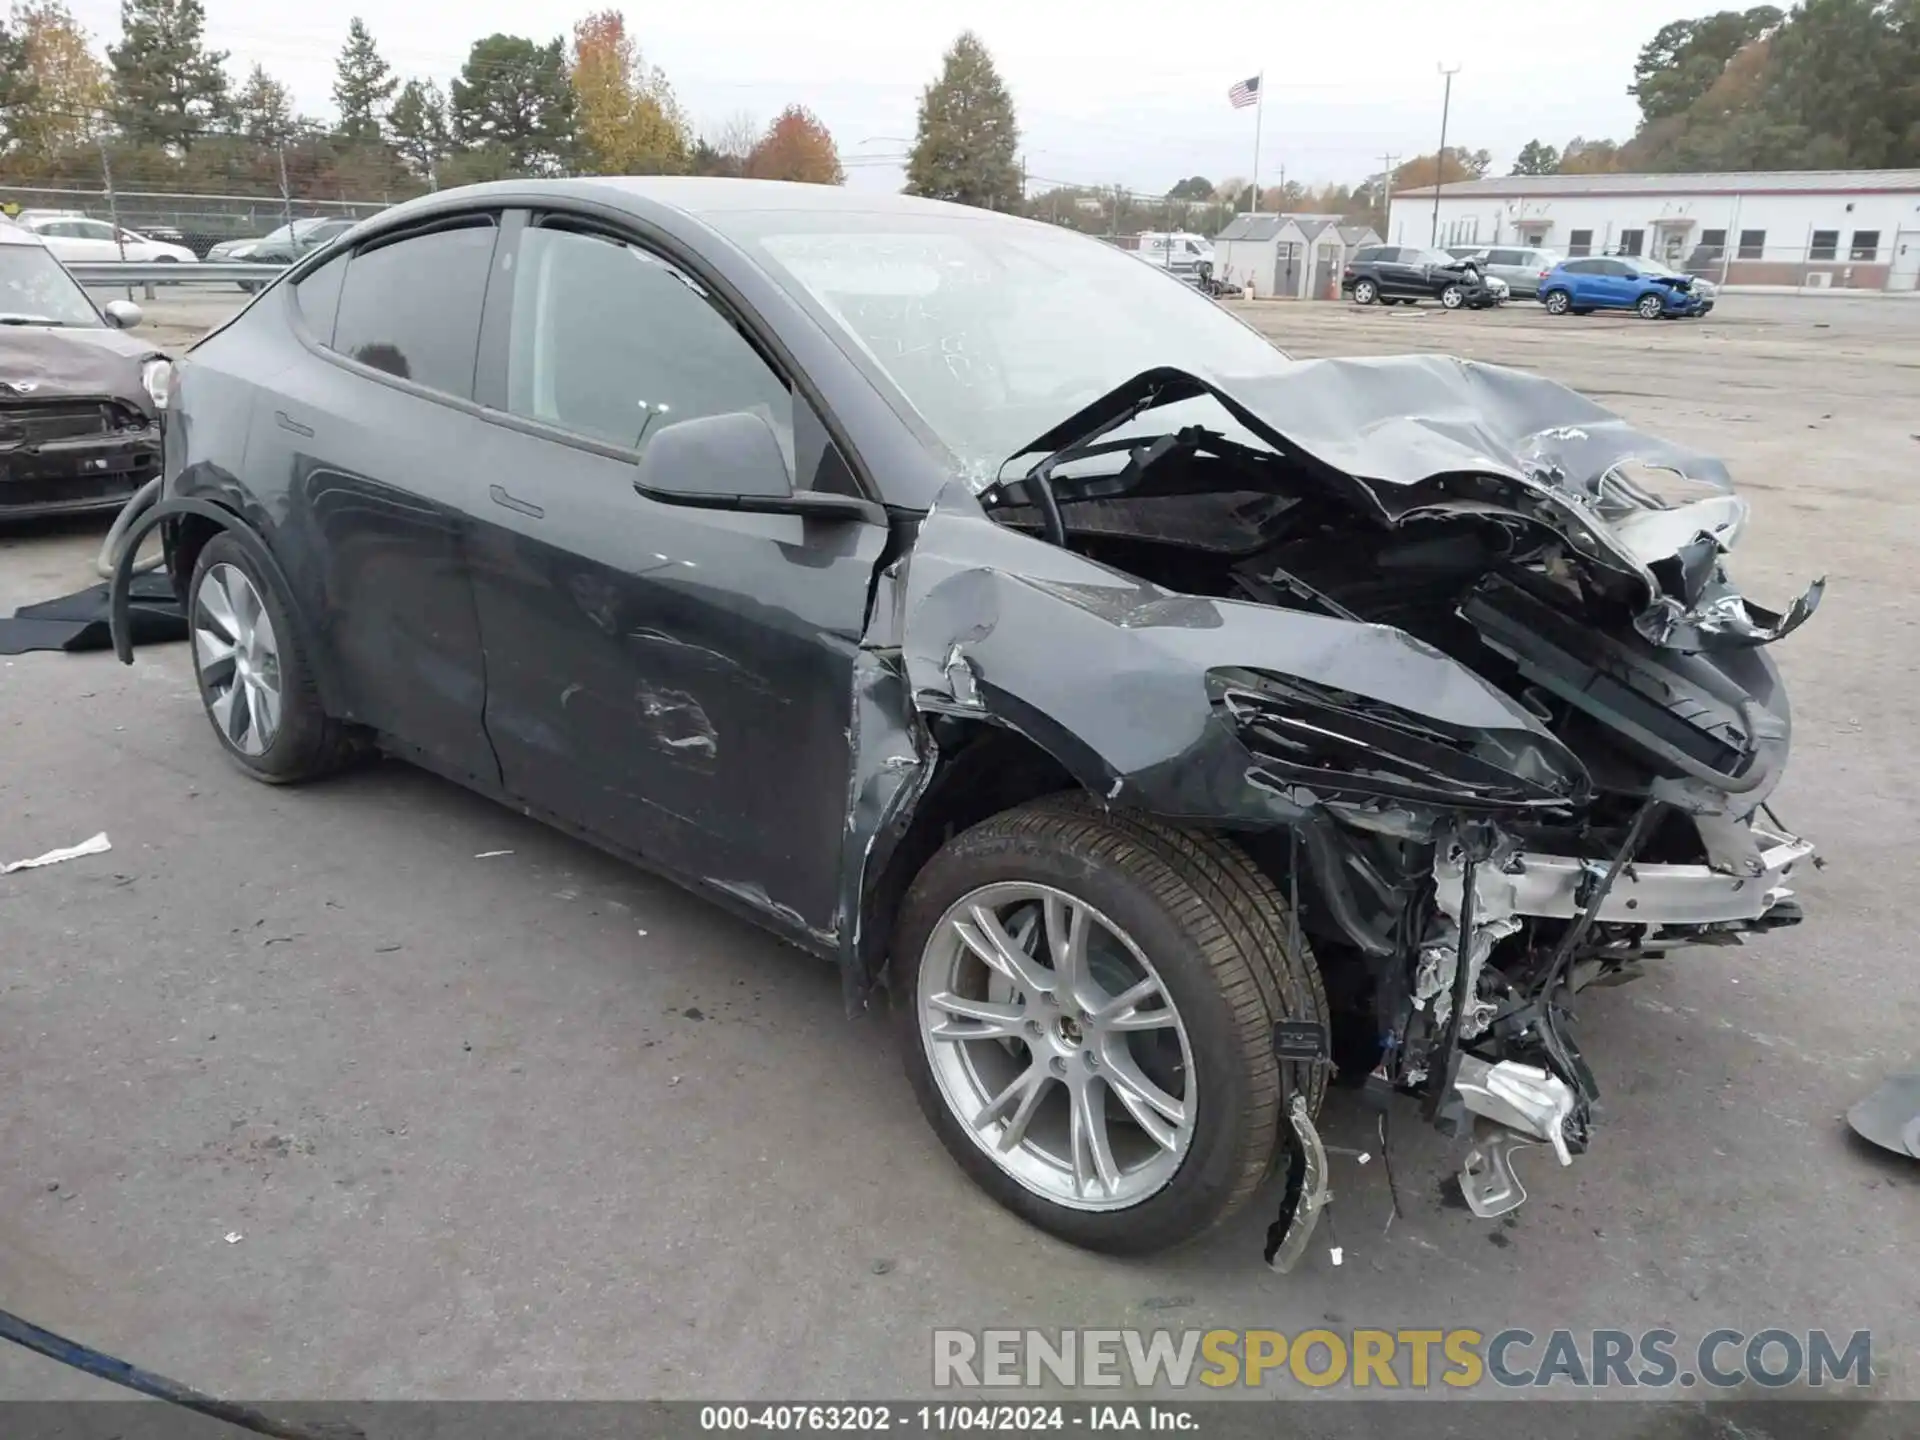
pixel 190 522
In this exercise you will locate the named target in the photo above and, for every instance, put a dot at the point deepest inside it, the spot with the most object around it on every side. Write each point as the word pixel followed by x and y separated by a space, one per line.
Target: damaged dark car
pixel 80 401
pixel 1166 723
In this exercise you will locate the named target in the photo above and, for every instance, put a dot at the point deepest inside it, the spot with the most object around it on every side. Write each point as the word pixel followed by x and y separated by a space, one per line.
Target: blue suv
pixel 1622 282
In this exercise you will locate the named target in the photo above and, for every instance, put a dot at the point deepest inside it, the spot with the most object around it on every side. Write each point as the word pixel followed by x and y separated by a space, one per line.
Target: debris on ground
pixel 95 845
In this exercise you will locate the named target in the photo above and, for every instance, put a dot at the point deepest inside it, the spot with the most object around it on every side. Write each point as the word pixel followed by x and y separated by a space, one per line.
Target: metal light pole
pixel 1440 160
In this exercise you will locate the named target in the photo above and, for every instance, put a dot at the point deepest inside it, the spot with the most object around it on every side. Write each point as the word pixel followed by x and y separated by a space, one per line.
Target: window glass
pixel 92 230
pixel 1580 242
pixel 1631 241
pixel 319 297
pixel 611 342
pixel 1866 245
pixel 1753 244
pixel 34 287
pixel 1825 243
pixel 1367 253
pixel 412 307
pixel 1506 257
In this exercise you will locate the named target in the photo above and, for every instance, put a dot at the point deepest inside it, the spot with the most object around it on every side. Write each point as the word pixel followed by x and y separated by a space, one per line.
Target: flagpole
pixel 1259 109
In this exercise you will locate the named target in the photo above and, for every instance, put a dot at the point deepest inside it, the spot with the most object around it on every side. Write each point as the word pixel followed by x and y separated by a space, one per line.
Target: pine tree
pixel 967 145
pixel 512 100
pixel 263 110
pixel 168 88
pixel 364 86
pixel 1536 158
pixel 418 121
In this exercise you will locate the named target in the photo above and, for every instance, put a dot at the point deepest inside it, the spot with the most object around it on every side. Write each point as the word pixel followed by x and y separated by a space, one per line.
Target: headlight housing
pixel 157 376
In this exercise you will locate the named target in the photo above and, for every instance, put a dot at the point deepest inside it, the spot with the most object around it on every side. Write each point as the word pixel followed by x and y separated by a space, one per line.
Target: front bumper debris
pixel 1307 1189
pixel 1554 887
pixel 1519 1105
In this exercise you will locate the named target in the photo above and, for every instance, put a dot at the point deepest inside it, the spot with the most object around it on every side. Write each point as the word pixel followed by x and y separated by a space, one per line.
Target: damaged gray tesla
pixel 1168 724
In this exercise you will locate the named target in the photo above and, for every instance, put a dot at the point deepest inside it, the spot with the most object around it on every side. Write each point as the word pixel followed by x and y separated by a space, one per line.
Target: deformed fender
pixel 1108 674
pixel 120 595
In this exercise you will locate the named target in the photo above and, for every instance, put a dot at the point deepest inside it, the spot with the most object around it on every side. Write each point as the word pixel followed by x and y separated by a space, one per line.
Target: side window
pixel 93 230
pixel 411 306
pixel 1825 242
pixel 613 343
pixel 1506 257
pixel 318 295
pixel 1580 267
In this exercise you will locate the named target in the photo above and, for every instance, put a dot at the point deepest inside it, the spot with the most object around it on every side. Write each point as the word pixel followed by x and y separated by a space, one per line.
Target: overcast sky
pixel 1134 92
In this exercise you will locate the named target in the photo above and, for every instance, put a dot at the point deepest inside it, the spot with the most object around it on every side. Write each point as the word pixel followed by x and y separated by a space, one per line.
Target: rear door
pixel 676 681
pixel 369 447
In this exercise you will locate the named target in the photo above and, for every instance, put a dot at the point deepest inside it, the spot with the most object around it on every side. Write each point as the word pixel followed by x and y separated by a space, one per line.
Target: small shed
pixel 1291 257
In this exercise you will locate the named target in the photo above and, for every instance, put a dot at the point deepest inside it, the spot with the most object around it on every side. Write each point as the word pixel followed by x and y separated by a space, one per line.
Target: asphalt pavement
pixel 375 1089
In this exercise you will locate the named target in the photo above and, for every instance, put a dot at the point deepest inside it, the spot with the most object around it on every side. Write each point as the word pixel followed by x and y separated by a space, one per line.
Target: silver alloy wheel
pixel 238 657
pixel 1056 1046
pixel 1650 307
pixel 1557 302
pixel 1364 292
pixel 1452 297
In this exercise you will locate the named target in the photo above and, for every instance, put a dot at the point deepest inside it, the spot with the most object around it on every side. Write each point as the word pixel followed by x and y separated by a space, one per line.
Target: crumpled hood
pixel 57 361
pixel 1407 435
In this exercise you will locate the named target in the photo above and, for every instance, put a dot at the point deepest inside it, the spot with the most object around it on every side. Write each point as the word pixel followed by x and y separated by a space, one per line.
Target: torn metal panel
pixel 1004 624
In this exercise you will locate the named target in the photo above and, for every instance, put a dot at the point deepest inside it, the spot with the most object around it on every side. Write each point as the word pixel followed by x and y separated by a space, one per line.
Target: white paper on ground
pixel 98 845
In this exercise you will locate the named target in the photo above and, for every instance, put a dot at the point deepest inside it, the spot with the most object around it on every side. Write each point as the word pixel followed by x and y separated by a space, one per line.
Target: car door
pixel 60 240
pixel 676 681
pixel 97 240
pixel 1510 266
pixel 1397 278
pixel 1615 283
pixel 363 454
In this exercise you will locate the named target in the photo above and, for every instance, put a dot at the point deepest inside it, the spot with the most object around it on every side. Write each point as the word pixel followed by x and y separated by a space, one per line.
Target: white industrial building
pixel 1288 257
pixel 1844 229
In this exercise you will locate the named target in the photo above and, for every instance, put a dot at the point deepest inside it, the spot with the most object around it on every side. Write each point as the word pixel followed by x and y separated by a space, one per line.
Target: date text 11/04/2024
pixel 946 1418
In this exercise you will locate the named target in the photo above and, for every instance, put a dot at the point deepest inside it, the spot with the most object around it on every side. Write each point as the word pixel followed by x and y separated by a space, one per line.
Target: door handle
pixel 501 496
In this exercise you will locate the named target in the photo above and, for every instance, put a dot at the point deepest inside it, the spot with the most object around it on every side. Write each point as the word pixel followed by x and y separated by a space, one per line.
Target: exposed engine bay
pixel 1533 730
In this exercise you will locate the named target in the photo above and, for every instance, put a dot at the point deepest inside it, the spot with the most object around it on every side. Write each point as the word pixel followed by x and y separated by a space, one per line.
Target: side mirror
pixel 123 314
pixel 734 462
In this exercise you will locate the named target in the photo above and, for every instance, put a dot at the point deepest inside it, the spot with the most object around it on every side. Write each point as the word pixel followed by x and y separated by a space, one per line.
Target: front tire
pixel 1650 307
pixel 255 681
pixel 1086 1000
pixel 1453 297
pixel 1365 292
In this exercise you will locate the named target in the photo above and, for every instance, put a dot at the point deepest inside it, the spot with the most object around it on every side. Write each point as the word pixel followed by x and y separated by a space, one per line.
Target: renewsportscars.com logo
pixel 1459 1359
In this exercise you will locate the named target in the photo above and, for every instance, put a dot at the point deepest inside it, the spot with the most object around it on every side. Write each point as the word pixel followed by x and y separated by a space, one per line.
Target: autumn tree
pixel 418 125
pixel 627 118
pixel 796 147
pixel 1684 59
pixel 168 88
pixel 363 86
pixel 58 85
pixel 1589 157
pixel 966 148
pixel 512 101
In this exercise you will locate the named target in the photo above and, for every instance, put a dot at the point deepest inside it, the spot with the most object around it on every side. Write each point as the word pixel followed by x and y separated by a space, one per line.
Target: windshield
pixel 34 287
pixel 993 331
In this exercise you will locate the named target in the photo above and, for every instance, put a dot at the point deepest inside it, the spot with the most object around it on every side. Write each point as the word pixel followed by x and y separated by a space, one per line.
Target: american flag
pixel 1245 93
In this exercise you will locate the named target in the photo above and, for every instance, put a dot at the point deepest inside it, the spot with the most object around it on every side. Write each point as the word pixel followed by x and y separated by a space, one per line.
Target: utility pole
pixel 1440 160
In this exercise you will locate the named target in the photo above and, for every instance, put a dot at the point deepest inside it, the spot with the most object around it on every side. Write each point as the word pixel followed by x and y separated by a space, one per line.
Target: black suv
pixel 1393 273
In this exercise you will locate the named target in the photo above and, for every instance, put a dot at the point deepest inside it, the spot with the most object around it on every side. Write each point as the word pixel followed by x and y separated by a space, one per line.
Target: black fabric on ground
pixel 79 621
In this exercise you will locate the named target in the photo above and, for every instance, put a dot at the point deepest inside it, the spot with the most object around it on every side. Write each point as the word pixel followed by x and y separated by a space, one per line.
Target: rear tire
pixel 1365 292
pixel 1210 927
pixel 251 666
pixel 1558 302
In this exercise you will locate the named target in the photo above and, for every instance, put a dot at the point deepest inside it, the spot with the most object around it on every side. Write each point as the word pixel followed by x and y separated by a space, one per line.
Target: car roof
pixel 15 234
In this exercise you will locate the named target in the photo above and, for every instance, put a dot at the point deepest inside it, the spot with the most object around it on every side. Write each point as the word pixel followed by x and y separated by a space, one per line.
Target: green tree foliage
pixel 513 102
pixel 1536 158
pixel 168 88
pixel 263 110
pixel 1194 187
pixel 363 86
pixel 1684 59
pixel 418 125
pixel 966 148
pixel 55 86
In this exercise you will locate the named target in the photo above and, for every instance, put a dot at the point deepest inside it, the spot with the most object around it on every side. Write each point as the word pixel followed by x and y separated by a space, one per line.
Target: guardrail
pixel 169 272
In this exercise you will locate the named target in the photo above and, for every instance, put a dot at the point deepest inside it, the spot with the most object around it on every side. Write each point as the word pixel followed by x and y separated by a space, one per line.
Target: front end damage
pixel 1422 636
